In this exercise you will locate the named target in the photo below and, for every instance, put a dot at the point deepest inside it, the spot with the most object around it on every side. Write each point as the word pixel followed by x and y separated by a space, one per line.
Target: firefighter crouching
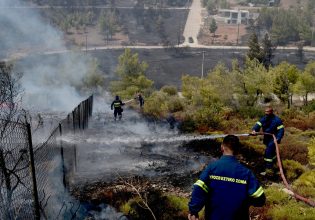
pixel 117 106
pixel 226 188
pixel 272 124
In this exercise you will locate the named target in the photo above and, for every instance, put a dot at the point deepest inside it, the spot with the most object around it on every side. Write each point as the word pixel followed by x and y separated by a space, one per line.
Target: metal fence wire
pixel 33 183
pixel 15 178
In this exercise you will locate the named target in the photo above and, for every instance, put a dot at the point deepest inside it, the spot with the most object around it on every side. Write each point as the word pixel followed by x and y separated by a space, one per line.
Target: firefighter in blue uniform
pixel 116 104
pixel 269 123
pixel 226 188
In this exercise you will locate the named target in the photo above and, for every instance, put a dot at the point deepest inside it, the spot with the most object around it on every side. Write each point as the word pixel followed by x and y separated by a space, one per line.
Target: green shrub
pixel 309 133
pixel 293 130
pixel 293 169
pixel 310 107
pixel 283 206
pixel 129 208
pixel 293 149
pixel 156 105
pixel 175 104
pixel 291 113
pixel 311 151
pixel 305 184
pixel 275 196
pixel 187 125
pixel 254 144
pixel 178 203
pixel 250 112
pixel 170 90
pixel 291 210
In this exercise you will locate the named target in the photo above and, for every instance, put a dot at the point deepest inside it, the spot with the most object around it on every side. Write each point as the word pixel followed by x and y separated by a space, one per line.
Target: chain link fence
pixel 16 182
pixel 33 182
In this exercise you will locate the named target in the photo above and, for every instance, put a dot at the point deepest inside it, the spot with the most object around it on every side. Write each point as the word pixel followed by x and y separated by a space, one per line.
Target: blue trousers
pixel 270 154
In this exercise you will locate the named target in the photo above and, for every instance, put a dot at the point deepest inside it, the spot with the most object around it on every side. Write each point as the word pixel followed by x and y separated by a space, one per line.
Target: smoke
pixel 50 82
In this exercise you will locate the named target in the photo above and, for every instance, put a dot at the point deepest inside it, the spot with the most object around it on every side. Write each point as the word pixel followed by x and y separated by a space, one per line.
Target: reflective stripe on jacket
pixel 225 188
pixel 271 124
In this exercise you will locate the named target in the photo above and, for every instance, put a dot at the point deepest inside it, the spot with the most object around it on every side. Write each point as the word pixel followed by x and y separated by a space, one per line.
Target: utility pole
pixel 203 59
pixel 85 43
pixel 238 33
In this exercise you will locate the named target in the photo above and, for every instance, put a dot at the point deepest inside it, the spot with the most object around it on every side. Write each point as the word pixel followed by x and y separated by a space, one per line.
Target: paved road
pixel 85 7
pixel 193 23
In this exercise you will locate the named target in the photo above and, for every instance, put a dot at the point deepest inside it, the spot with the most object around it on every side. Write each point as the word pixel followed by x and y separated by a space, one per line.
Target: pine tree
pixel 267 51
pixel 255 51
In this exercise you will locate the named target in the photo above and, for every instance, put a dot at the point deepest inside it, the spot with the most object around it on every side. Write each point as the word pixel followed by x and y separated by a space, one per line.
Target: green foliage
pixel 311 150
pixel 275 196
pixel 254 52
pixel 129 208
pixel 282 206
pixel 310 107
pixel 170 90
pixel 159 104
pixel 208 116
pixel 306 82
pixel 108 23
pixel 250 112
pixel 255 145
pixel 178 203
pixel 169 207
pixel 293 169
pixel 285 77
pixel 156 105
pixel 213 26
pixel 254 83
pixel 305 184
pixel 286 25
pixel 292 210
pixel 95 77
pixel 175 104
pixel 293 149
pixel 132 79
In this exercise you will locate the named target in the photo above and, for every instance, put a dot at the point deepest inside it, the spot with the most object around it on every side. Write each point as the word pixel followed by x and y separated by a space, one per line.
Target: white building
pixel 233 16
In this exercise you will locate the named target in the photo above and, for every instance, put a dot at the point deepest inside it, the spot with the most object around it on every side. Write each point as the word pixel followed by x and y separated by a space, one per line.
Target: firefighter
pixel 226 188
pixel 140 99
pixel 116 104
pixel 269 123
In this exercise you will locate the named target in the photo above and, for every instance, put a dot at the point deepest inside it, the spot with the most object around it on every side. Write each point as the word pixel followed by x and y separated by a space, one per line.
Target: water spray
pixel 128 101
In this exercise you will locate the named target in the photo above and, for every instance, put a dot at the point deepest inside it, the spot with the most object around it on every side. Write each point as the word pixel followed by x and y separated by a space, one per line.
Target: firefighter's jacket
pixel 270 124
pixel 226 189
pixel 117 104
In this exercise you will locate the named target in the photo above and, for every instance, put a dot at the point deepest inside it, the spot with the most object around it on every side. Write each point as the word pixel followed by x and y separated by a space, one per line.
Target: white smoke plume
pixel 49 82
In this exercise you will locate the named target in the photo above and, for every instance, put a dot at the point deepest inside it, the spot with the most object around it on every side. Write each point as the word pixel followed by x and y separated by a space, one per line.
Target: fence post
pixel 73 119
pixel 62 160
pixel 33 174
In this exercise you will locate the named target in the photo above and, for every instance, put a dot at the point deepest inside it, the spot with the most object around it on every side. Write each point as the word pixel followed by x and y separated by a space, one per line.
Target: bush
pixel 310 107
pixel 311 151
pixel 284 207
pixel 175 104
pixel 207 116
pixel 292 210
pixel 250 112
pixel 293 149
pixel 305 184
pixel 170 90
pixel 292 169
pixel 275 196
pixel 156 105
pixel 169 207
pixel 187 125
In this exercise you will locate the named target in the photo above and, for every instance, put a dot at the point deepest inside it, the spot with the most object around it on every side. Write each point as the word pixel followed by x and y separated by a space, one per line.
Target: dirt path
pixel 193 23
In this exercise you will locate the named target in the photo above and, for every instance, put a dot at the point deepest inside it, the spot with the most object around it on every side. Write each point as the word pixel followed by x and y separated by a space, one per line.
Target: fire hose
pixel 286 184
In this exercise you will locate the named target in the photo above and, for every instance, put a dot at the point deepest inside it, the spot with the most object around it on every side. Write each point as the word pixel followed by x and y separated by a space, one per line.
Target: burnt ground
pixel 166 66
pixel 111 157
